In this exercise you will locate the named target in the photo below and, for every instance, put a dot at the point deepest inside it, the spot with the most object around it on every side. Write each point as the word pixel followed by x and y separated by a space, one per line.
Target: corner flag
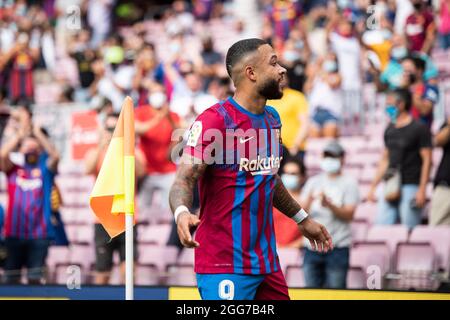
pixel 113 193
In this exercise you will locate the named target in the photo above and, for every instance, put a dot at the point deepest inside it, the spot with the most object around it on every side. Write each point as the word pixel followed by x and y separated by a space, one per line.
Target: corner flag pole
pixel 129 174
pixel 129 258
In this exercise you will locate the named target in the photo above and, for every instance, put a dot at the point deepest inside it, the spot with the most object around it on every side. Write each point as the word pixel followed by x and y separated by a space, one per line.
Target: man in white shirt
pixel 331 198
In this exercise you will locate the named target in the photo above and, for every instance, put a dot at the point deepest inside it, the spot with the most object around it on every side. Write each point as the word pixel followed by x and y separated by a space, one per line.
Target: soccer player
pixel 234 152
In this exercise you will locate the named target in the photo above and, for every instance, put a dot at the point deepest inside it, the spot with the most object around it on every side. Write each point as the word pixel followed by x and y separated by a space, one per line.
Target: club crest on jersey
pixel 194 134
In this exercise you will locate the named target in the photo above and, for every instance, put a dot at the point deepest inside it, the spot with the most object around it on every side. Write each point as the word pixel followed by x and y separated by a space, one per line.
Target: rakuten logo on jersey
pixel 260 166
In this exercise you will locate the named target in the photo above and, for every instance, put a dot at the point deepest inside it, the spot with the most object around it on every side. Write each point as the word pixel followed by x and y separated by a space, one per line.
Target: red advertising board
pixel 84 133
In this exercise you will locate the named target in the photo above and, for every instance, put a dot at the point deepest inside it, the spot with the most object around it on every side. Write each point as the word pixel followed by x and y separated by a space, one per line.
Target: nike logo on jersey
pixel 244 140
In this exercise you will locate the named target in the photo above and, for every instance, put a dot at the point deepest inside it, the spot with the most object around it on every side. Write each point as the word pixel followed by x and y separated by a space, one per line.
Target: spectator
pixel 22 59
pixel 405 164
pixel 296 53
pixel 155 125
pixel 104 245
pixel 179 21
pixel 420 28
pixel 282 17
pixel 444 23
pixel 286 231
pixel 344 43
pixel 424 94
pixel 440 204
pixel 147 71
pixel 220 88
pixel 379 40
pixel 84 56
pixel 112 81
pixel 99 18
pixel 403 9
pixel 203 9
pixel 293 110
pixel 43 41
pixel 391 76
pixel 325 97
pixel 28 231
pixel 330 197
pixel 188 98
pixel 211 61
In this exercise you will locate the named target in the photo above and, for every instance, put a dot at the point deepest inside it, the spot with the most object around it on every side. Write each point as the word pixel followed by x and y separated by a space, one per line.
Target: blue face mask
pixel 299 45
pixel 291 56
pixel 387 34
pixel 343 4
pixel 290 181
pixel 392 112
pixel 330 66
pixel 399 53
pixel 330 165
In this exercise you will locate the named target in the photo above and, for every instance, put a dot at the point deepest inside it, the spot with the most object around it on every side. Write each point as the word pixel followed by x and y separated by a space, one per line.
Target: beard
pixel 270 90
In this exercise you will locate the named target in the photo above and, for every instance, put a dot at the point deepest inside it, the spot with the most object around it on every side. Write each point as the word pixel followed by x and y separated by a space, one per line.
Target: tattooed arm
pixel 316 233
pixel 181 194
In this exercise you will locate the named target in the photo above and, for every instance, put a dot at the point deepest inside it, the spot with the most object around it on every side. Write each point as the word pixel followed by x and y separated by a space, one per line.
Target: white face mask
pixel 157 100
pixel 290 181
pixel 330 165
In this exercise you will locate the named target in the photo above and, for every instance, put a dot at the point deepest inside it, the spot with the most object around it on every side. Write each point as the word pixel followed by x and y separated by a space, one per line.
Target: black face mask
pixel 271 90
pixel 412 78
pixel 31 158
pixel 207 48
pixel 417 6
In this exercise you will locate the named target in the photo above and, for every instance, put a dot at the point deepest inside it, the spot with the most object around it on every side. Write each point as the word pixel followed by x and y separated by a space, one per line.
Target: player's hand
pixel 317 235
pixel 185 222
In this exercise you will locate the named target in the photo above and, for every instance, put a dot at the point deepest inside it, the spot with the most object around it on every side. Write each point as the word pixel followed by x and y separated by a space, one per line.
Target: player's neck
pixel 252 103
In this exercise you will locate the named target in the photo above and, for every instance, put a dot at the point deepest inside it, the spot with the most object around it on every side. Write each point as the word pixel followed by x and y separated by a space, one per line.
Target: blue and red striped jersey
pixel 243 150
pixel 29 209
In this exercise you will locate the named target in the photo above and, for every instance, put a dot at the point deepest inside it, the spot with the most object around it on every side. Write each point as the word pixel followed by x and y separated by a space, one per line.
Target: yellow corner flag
pixel 113 193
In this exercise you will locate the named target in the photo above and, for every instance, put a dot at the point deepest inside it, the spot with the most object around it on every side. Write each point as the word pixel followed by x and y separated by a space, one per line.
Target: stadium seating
pixel 158 256
pixel 181 275
pixel 155 233
pixel 359 230
pixel 290 257
pixel 56 255
pixel 146 275
pixel 439 238
pixel 116 277
pixel 85 234
pixel 369 255
pixel 366 211
pixel 356 278
pixel 390 234
pixel 295 277
pixel 415 266
pixel 82 254
pixel 182 272
pixel 419 257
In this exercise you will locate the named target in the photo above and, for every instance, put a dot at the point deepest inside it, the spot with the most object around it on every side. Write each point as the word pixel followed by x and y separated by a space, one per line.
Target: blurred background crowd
pixel 366 131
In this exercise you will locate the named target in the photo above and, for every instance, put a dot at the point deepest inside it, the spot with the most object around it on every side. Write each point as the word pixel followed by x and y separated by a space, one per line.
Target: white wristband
pixel 300 216
pixel 178 211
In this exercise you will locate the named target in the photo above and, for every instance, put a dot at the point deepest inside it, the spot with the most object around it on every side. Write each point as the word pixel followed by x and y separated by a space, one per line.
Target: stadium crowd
pixel 354 69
